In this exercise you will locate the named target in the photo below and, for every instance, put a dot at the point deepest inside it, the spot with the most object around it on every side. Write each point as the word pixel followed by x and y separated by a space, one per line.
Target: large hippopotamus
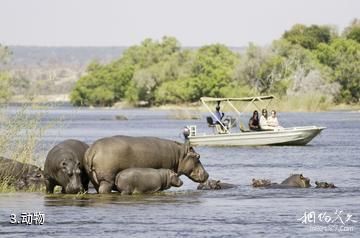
pixel 212 184
pixel 21 175
pixel 294 181
pixel 146 180
pixel 108 156
pixel 64 166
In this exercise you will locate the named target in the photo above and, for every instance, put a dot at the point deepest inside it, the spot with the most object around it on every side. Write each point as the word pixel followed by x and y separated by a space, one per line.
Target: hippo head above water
pixel 175 181
pixel 191 166
pixel 33 178
pixel 324 185
pixel 210 184
pixel 297 180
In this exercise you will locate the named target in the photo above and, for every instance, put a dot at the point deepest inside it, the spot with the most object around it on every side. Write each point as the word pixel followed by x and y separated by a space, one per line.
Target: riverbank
pixel 286 104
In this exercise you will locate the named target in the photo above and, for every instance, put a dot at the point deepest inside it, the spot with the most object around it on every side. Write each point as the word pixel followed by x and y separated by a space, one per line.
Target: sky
pixel 192 22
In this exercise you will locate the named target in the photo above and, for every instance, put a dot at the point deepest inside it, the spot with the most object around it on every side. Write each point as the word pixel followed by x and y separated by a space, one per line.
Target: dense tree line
pixel 305 60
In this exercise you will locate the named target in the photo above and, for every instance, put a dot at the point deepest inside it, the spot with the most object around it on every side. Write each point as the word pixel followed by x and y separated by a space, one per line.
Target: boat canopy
pixel 244 99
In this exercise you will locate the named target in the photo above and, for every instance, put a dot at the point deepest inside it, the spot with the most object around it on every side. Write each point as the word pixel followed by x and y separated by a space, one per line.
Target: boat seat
pixel 210 122
pixel 242 128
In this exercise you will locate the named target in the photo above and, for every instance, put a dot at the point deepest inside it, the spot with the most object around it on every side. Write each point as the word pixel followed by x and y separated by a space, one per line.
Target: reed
pixel 20 135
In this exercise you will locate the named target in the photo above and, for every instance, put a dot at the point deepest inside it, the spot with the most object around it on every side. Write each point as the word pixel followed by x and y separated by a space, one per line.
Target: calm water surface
pixel 334 156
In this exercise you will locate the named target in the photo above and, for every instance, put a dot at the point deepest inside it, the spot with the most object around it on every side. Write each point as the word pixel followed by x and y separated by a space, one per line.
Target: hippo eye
pixel 301 176
pixel 63 164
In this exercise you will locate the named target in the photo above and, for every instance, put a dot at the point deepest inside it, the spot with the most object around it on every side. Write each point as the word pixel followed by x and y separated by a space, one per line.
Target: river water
pixel 333 156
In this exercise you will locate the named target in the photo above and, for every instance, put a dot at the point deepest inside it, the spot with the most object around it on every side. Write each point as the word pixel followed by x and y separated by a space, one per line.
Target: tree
pixel 343 57
pixel 308 37
pixel 208 71
pixel 103 85
pixel 353 31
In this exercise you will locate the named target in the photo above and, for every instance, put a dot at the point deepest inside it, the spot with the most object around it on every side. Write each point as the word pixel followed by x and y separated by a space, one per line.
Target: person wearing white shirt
pixel 263 120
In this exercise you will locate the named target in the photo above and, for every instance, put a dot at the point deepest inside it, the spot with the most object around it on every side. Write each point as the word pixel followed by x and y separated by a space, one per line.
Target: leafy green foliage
pixel 343 57
pixel 308 37
pixel 353 31
pixel 306 60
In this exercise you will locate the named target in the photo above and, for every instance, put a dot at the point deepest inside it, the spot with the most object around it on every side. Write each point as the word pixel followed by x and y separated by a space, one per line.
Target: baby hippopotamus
pixel 324 185
pixel 212 184
pixel 64 166
pixel 145 180
pixel 21 175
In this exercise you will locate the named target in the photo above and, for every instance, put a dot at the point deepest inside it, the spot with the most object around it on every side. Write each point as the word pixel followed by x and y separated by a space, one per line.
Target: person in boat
pixel 263 120
pixel 218 115
pixel 254 122
pixel 272 120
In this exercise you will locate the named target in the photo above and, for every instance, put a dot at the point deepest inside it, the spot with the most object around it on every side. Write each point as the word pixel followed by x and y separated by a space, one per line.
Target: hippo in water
pixel 21 175
pixel 294 181
pixel 108 156
pixel 324 185
pixel 212 184
pixel 64 166
pixel 146 180
pixel 260 183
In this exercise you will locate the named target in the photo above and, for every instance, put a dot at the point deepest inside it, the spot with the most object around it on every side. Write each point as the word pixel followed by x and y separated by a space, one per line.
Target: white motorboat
pixel 223 134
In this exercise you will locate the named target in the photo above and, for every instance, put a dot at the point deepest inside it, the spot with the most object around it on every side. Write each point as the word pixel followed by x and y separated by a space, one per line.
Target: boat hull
pixel 285 136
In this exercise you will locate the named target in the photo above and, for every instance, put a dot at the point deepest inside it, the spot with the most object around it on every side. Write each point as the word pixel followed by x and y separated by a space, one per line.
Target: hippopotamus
pixel 212 184
pixel 294 181
pixel 64 166
pixel 260 183
pixel 21 175
pixel 145 180
pixel 108 156
pixel 324 185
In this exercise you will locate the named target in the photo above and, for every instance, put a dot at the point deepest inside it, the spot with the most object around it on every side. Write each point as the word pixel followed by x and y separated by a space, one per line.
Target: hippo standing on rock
pixel 64 167
pixel 146 180
pixel 21 175
pixel 108 156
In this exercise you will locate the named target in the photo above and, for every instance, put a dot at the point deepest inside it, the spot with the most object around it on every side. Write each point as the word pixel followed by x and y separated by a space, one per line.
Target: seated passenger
pixel 254 122
pixel 218 115
pixel 263 120
pixel 272 121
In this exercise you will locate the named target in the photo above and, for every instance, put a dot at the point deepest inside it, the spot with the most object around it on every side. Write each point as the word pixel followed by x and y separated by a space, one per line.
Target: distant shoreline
pixel 64 99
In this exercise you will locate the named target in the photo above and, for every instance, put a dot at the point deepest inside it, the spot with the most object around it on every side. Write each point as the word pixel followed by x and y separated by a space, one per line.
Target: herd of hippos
pixel 124 164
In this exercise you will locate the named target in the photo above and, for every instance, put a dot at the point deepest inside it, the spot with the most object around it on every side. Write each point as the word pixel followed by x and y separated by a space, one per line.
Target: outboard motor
pixel 186 132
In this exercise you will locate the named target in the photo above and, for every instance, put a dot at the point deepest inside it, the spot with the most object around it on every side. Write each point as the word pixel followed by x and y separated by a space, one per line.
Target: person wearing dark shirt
pixel 254 121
